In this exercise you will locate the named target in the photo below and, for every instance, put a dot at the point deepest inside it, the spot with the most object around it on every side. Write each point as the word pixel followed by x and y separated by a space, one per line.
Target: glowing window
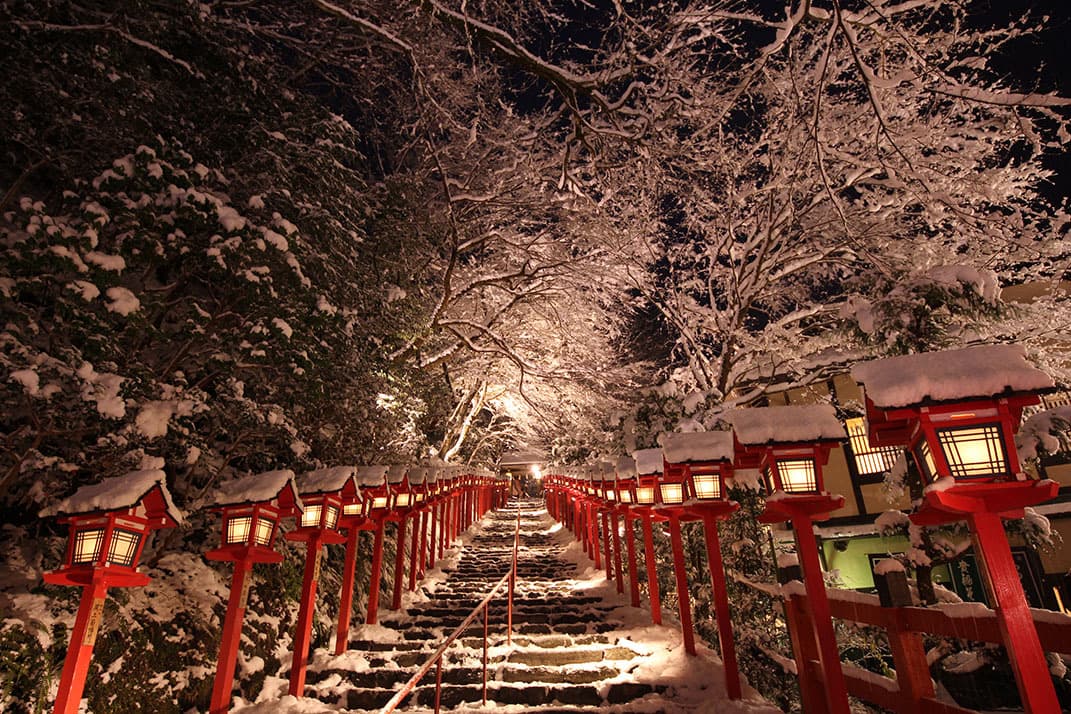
pixel 123 547
pixel 238 529
pixel 672 493
pixel 645 494
pixel 973 451
pixel 265 528
pixel 87 544
pixel 706 485
pixel 924 460
pixel 624 495
pixel 869 461
pixel 310 517
pixel 332 516
pixel 797 475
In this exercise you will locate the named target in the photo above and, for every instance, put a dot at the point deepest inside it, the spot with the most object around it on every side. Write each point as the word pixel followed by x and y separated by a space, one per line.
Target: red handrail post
pixel 485 653
pixel 909 658
pixel 438 682
pixel 805 652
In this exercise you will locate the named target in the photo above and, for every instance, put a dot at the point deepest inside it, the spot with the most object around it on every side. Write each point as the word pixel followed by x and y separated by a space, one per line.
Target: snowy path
pixel 577 647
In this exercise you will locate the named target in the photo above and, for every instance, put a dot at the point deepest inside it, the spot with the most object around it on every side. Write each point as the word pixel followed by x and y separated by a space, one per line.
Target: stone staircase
pixel 565 654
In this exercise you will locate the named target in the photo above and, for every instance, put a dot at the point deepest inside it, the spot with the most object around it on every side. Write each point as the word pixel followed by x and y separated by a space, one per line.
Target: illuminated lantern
pixel 109 523
pixel 790 445
pixel 324 493
pixel 648 474
pixel 251 508
pixel 376 493
pixel 957 412
pixel 703 461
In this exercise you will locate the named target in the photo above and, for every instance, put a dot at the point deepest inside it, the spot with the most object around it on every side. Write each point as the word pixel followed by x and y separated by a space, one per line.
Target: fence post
pixel 805 652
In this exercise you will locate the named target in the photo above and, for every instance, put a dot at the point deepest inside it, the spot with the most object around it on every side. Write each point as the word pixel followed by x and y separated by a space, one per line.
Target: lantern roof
pixel 648 461
pixel 337 478
pixel 396 474
pixel 698 446
pixel 371 476
pixel 982 371
pixel 626 467
pixel 757 426
pixel 260 488
pixel 418 475
pixel 147 488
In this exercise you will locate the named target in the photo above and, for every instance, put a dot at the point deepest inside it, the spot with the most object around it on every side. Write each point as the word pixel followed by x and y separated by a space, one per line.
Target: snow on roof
pixel 626 467
pixel 256 488
pixel 971 372
pixel 417 474
pixel 521 458
pixel 371 476
pixel 698 446
pixel 117 493
pixel 327 480
pixel 396 473
pixel 648 461
pixel 801 422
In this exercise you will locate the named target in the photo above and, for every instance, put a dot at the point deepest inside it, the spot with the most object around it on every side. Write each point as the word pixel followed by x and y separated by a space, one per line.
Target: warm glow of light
pixel 537 472
pixel 87 544
pixel 123 547
pixel 401 500
pixel 672 493
pixel 973 451
pixel 624 495
pixel 797 475
pixel 645 494
pixel 706 485
pixel 351 509
pixel 310 516
pixel 238 529
pixel 379 502
pixel 265 528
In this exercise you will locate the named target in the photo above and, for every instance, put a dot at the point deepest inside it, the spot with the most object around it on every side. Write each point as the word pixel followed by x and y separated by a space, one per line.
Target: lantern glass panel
pixel 707 486
pixel 332 517
pixel 401 500
pixel 310 516
pixel 924 460
pixel 351 509
pixel 624 495
pixel 672 493
pixel 123 547
pixel 379 502
pixel 87 545
pixel 869 460
pixel 973 451
pixel 645 494
pixel 238 529
pixel 264 530
pixel 797 475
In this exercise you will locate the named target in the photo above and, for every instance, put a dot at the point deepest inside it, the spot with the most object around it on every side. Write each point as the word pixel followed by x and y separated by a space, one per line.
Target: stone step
pixel 532 697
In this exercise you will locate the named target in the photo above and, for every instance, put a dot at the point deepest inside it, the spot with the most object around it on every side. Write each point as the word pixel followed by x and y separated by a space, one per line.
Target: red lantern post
pixel 705 460
pixel 957 412
pixel 648 473
pixel 401 507
pixel 251 509
pixel 109 522
pixel 626 497
pixel 373 480
pixel 353 521
pixel 791 445
pixel 323 494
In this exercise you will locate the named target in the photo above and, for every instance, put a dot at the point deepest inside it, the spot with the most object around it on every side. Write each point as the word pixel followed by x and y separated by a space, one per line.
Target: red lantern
pixel 957 413
pixel 790 445
pixel 703 461
pixel 251 509
pixel 109 523
pixel 323 495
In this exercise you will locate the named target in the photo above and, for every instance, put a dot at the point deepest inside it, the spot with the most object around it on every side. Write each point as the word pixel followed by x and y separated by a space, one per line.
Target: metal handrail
pixel 437 656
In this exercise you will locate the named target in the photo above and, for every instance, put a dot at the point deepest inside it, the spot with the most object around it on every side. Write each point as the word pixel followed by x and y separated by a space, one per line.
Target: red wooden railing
pixel 508 580
pixel 912 689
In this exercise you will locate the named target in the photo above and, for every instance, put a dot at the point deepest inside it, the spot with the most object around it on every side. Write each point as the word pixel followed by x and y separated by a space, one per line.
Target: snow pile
pixel 371 476
pixel 256 488
pixel 971 372
pixel 626 467
pixel 648 461
pixel 797 423
pixel 328 480
pixel 116 493
pixel 698 446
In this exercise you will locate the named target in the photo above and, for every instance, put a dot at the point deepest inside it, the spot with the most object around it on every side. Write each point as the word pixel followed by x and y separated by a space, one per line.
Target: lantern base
pixel 1006 498
pixel 238 552
pixel 83 576
pixel 815 506
pixel 325 535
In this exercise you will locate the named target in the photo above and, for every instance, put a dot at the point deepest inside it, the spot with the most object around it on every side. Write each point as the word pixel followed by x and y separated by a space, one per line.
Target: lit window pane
pixel 973 451
pixel 238 529
pixel 797 475
pixel 869 461
pixel 265 526
pixel 706 485
pixel 672 493
pixel 625 495
pixel 123 547
pixel 401 500
pixel 924 460
pixel 645 494
pixel 379 502
pixel 310 517
pixel 332 516
pixel 87 544
pixel 352 509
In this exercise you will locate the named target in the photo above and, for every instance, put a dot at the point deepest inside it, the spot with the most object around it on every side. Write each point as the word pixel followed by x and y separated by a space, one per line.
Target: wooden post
pixel 345 598
pixel 721 607
pixel 606 545
pixel 652 569
pixel 684 600
pixel 805 652
pixel 633 568
pixel 617 552
pixel 80 648
pixel 414 551
pixel 232 637
pixel 909 659
pixel 376 575
pixel 303 631
pixel 399 564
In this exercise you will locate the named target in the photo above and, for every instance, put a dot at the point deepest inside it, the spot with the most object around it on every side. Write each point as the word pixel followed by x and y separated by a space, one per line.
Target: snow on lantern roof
pixel 648 461
pixel 258 488
pixel 972 372
pixel 626 467
pixel 328 480
pixel 418 474
pixel 698 446
pixel 396 473
pixel 371 476
pixel 795 423
pixel 119 493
